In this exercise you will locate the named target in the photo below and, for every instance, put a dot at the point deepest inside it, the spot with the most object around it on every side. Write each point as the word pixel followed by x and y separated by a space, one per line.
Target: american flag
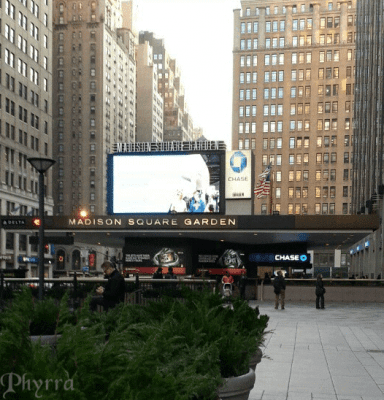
pixel 263 187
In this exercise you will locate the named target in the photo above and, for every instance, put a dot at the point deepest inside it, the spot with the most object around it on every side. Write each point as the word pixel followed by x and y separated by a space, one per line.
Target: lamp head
pixel 41 164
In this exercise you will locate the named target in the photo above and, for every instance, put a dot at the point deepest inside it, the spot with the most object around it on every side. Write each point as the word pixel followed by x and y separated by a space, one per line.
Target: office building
pixel 368 184
pixel 293 81
pixel 94 98
pixel 368 130
pixel 178 124
pixel 150 105
pixel 25 120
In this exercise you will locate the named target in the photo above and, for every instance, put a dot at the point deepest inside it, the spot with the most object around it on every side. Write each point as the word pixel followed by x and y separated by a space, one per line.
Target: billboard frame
pixel 220 153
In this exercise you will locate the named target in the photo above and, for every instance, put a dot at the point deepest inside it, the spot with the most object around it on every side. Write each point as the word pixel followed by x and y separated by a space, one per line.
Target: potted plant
pixel 44 317
pixel 170 349
pixel 253 324
pixel 237 333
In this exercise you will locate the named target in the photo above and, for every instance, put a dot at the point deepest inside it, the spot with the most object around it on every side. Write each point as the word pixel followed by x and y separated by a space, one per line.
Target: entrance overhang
pixel 318 232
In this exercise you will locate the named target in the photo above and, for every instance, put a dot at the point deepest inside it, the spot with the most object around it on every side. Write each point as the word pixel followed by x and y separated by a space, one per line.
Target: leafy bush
pixel 172 349
pixel 44 317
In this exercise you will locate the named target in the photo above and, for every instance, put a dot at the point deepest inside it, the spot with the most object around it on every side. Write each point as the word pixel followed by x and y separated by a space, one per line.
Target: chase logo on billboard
pixel 238 162
pixel 271 258
pixel 291 257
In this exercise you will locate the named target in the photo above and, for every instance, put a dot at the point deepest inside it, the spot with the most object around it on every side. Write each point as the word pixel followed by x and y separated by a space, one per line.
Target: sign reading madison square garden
pixel 148 147
pixel 147 222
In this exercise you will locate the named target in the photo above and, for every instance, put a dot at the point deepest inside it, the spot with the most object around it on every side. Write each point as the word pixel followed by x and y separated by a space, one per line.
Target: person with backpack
pixel 279 289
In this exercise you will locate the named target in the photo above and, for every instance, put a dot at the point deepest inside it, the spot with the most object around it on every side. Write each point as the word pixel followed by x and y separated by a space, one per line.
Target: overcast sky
pixel 199 35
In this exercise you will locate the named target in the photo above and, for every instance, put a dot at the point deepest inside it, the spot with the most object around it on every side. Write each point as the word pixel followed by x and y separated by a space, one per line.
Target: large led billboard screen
pixel 166 183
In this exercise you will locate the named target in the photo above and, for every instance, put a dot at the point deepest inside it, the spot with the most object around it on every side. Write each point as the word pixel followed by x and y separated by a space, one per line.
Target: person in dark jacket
pixel 320 290
pixel 170 274
pixel 113 292
pixel 267 279
pixel 157 275
pixel 243 283
pixel 279 289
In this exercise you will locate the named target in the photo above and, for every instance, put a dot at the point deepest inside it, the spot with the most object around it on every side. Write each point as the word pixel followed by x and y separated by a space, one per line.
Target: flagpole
pixel 263 188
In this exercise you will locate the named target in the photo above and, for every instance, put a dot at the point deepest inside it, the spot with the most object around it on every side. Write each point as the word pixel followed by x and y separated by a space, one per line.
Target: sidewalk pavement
pixel 331 354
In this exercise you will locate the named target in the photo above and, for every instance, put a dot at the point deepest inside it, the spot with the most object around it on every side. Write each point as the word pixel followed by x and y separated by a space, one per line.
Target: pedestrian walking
pixel 279 289
pixel 320 290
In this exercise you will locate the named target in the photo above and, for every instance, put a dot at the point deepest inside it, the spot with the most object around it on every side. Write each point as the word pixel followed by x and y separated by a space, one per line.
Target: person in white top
pixel 179 205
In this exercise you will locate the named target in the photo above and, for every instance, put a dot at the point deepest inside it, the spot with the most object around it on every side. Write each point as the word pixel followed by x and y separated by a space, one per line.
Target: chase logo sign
pixel 238 174
pixel 238 162
pixel 291 257
pixel 272 258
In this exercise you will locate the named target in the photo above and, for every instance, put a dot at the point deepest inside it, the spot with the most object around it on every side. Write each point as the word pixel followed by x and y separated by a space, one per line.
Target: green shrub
pixel 44 317
pixel 171 349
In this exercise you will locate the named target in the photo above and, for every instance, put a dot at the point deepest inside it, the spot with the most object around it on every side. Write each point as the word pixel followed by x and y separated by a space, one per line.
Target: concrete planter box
pixel 46 339
pixel 237 387
pixel 255 359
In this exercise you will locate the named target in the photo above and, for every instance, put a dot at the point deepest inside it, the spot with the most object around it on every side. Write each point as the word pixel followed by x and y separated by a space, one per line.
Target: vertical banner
pixel 238 172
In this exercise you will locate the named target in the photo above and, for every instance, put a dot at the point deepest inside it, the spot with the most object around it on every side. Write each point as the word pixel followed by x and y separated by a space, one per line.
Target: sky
pixel 199 35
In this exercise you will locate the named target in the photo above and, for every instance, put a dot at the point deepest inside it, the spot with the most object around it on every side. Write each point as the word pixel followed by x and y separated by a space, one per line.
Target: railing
pixel 337 290
pixel 336 282
pixel 138 290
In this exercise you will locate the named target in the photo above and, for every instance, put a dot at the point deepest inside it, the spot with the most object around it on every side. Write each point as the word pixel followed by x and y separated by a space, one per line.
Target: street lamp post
pixel 41 165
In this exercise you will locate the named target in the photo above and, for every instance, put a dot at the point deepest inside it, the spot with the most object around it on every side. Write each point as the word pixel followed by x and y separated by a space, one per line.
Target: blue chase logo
pixel 238 162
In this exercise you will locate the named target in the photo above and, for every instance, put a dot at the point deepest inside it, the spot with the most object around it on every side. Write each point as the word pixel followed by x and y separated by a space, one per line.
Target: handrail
pixel 97 280
pixel 139 290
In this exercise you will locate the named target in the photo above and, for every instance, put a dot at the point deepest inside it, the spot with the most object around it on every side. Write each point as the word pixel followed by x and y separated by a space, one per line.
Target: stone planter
pixel 255 359
pixel 46 339
pixel 237 387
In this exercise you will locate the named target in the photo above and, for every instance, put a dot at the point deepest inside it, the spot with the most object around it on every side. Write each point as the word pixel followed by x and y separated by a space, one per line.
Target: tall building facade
pixel 94 98
pixel 293 81
pixel 150 105
pixel 368 166
pixel 178 124
pixel 368 142
pixel 25 118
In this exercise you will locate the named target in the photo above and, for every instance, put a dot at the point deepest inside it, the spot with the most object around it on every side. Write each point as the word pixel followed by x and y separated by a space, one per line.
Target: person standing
pixel 114 290
pixel 227 282
pixel 170 274
pixel 279 289
pixel 267 279
pixel 243 284
pixel 227 278
pixel 320 290
pixel 157 275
